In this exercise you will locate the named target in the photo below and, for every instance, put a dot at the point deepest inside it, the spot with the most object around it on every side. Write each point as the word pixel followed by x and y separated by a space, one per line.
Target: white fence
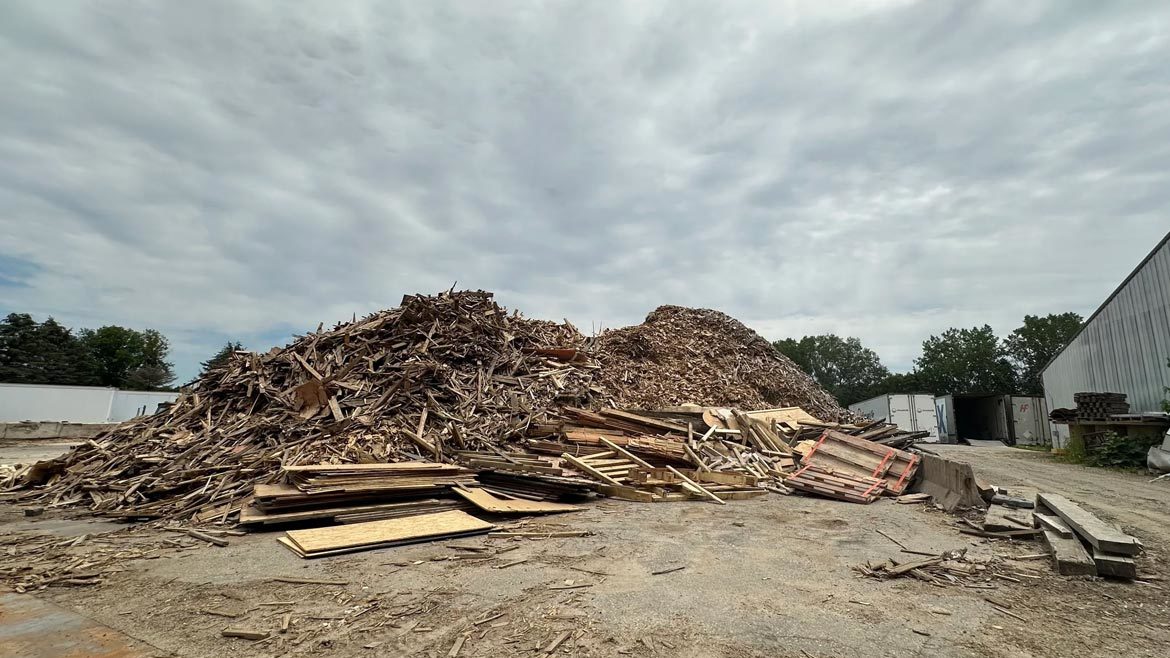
pixel 75 404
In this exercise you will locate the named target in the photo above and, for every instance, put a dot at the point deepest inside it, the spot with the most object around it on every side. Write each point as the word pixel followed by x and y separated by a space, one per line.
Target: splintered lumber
pixel 489 503
pixel 832 484
pixel 1101 535
pixel 697 488
pixel 203 536
pixel 1069 555
pixel 334 540
pixel 1117 566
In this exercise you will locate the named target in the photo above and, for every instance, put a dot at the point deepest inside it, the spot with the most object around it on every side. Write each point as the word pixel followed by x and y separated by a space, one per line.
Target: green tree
pixel 125 358
pixel 221 357
pixel 842 366
pixel 965 361
pixel 1035 343
pixel 41 353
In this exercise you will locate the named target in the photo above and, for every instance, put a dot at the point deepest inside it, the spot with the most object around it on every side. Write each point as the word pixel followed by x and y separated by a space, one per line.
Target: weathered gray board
pixel 951 484
pixel 1114 565
pixel 1070 556
pixel 1048 521
pixel 1101 535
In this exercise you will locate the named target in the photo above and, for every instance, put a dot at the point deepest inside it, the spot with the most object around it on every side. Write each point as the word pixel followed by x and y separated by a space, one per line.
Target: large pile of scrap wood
pixel 438 377
pixel 437 374
pixel 684 355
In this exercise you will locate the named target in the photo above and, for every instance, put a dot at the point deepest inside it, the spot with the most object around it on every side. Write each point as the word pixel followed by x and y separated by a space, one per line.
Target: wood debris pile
pixel 683 355
pixel 438 376
pixel 947 568
pixel 440 373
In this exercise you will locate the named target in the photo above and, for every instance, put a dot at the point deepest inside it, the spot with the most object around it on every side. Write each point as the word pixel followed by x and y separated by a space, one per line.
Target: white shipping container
pixel 913 412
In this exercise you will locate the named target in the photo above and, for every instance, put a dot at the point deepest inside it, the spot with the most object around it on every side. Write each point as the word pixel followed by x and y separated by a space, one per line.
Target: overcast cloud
pixel 246 170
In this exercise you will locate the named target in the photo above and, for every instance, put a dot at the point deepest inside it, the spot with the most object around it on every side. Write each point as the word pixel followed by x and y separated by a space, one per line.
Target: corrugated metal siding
pixel 1123 348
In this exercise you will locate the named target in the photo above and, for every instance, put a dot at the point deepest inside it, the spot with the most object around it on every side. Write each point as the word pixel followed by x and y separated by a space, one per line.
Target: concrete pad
pixel 33 628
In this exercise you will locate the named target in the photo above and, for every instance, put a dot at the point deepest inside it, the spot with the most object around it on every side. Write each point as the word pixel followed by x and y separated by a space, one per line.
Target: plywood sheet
pixel 489 503
pixel 358 535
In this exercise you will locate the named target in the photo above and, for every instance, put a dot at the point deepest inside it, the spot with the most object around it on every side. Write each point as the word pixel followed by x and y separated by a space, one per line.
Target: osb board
pixel 784 414
pixel 489 503
pixel 315 540
pixel 287 543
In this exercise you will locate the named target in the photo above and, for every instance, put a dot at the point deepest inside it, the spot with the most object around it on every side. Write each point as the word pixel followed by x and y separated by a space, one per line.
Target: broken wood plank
pixel 203 536
pixel 244 633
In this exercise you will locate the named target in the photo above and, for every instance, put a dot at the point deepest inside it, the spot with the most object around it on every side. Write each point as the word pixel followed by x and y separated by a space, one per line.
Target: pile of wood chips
pixel 683 355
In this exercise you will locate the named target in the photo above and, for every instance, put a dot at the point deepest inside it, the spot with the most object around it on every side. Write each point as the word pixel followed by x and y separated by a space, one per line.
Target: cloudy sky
pixel 245 170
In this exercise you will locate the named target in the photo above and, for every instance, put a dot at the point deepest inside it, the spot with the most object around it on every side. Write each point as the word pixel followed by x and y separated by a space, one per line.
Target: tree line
pixel 47 352
pixel 972 360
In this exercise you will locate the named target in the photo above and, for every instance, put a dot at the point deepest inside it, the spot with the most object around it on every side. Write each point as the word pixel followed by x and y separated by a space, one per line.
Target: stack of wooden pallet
pixel 836 484
pixel 843 454
pixel 1100 406
pixel 1081 543
pixel 348 493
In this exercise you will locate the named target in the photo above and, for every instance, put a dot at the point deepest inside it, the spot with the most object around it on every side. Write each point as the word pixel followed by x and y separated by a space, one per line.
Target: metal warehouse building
pixel 1123 346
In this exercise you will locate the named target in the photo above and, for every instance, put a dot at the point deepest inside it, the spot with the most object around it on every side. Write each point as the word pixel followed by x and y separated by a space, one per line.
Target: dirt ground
pixel 764 577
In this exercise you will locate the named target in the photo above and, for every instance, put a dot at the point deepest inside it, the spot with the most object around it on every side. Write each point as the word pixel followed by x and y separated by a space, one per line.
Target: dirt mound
pixel 684 355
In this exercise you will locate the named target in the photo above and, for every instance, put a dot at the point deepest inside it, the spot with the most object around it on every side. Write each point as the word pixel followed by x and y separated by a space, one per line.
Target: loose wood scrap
pixel 947 568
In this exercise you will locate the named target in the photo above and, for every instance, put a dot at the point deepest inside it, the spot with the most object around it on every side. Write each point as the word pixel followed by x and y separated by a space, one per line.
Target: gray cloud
pixel 882 169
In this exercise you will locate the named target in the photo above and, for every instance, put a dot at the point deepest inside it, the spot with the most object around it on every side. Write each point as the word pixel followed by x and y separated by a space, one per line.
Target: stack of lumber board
pixel 355 492
pixel 844 453
pixel 1081 543
pixel 839 485
pixel 1100 406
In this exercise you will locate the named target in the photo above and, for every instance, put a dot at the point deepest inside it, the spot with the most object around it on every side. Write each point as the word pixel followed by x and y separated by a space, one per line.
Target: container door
pixel 900 412
pixel 944 409
pixel 1025 421
pixel 926 420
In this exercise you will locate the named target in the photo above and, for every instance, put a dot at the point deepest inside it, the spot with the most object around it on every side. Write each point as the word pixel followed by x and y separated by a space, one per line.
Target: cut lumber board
pixel 1053 523
pixel 361 536
pixel 489 503
pixel 1069 556
pixel 1117 566
pixel 625 493
pixel 1101 535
